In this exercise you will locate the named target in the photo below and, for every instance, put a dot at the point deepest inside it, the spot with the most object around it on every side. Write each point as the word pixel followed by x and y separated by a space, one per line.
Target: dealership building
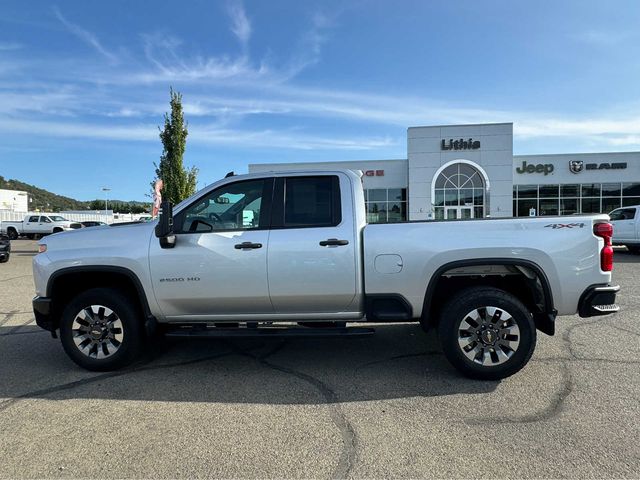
pixel 469 171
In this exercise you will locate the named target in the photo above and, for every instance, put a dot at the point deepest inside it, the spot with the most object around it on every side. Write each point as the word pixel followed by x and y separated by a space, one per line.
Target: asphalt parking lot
pixel 388 405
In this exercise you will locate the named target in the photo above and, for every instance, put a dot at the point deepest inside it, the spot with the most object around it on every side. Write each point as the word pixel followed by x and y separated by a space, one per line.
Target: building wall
pixel 562 174
pixel 426 156
pixel 14 200
pixel 518 185
pixel 395 171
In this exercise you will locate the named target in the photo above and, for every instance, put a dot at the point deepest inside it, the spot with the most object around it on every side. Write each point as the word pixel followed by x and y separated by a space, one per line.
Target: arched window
pixel 459 193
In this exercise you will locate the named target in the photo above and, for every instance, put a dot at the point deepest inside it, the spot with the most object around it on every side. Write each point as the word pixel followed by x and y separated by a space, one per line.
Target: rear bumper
pixel 598 300
pixel 42 312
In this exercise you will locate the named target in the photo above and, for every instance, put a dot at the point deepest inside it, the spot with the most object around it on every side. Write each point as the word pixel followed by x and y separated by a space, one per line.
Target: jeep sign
pixel 545 168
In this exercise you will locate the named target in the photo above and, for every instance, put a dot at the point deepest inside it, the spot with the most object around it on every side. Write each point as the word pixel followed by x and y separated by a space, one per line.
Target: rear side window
pixel 312 202
pixel 33 219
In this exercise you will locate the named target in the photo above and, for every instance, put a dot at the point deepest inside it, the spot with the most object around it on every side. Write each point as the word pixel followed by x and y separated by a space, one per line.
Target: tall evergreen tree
pixel 179 182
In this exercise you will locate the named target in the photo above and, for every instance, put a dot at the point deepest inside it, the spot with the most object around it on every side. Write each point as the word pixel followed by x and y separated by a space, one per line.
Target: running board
pixel 221 332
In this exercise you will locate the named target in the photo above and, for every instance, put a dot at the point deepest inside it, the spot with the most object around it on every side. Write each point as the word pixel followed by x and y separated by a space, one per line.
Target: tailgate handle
pixel 247 246
pixel 333 242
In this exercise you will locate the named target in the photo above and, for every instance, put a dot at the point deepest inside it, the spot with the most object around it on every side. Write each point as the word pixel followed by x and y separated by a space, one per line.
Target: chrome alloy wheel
pixel 488 336
pixel 97 331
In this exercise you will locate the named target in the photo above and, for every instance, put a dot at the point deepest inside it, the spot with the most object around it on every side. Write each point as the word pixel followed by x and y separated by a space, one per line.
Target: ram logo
pixel 576 166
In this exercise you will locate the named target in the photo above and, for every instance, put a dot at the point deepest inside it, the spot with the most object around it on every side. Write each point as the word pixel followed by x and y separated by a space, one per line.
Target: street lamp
pixel 106 191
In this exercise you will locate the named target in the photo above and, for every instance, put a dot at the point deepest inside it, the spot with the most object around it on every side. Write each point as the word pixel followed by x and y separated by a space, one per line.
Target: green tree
pixel 179 182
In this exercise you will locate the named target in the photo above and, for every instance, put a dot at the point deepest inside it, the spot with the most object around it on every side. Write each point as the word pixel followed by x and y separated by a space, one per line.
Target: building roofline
pixel 460 125
pixel 572 154
pixel 332 161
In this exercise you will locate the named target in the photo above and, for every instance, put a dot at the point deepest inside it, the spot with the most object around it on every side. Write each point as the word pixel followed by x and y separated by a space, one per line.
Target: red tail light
pixel 605 231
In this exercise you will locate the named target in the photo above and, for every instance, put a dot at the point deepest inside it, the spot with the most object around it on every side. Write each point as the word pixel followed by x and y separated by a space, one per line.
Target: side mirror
pixel 164 228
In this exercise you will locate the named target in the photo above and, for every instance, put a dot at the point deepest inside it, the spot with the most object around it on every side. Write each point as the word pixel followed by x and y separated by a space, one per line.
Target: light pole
pixel 106 191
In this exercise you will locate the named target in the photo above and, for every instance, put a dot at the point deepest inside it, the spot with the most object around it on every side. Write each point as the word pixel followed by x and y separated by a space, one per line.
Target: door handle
pixel 333 242
pixel 247 246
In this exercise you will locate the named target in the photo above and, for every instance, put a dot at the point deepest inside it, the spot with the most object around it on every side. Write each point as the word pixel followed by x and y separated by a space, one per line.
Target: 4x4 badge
pixel 565 225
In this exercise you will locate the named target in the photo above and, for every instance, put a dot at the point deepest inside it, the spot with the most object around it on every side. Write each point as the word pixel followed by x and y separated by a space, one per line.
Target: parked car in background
pixel 626 227
pixel 33 225
pixel 92 223
pixel 5 248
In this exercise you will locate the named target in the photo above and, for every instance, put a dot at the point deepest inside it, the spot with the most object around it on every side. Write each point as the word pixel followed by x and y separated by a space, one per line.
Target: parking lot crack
pixel 8 316
pixel 140 367
pixel 398 357
pixel 348 454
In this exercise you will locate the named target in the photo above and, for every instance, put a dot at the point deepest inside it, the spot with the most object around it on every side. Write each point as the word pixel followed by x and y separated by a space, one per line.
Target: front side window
pixel 45 220
pixel 623 214
pixel 236 206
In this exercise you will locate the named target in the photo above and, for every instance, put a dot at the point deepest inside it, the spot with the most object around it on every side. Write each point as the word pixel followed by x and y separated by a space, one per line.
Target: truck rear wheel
pixel 100 330
pixel 12 233
pixel 487 333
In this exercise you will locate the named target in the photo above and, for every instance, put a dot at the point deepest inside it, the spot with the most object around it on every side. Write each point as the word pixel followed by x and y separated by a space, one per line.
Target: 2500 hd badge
pixel 180 279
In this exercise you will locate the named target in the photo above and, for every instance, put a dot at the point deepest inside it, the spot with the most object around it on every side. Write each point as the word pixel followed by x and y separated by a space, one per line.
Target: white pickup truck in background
pixel 290 254
pixel 626 227
pixel 38 224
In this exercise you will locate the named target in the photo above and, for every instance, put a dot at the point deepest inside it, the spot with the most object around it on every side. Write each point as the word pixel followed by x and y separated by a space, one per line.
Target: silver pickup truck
pixel 290 254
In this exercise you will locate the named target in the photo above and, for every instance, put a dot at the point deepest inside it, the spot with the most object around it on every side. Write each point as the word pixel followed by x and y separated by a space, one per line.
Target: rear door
pixel 30 224
pixel 312 257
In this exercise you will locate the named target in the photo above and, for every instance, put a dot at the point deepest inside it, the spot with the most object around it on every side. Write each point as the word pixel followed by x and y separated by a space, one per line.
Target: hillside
pixel 44 200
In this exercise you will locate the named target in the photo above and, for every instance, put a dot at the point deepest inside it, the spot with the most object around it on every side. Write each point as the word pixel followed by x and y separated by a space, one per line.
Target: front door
pixel 456 213
pixel 218 267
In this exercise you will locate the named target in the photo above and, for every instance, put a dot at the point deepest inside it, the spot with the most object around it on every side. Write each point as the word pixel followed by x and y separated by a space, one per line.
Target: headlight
pixel 42 248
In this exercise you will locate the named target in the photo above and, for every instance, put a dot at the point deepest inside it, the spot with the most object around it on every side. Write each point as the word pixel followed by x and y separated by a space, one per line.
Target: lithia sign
pixel 575 166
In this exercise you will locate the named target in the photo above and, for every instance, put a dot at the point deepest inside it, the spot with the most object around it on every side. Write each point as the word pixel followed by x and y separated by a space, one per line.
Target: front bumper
pixel 42 312
pixel 598 300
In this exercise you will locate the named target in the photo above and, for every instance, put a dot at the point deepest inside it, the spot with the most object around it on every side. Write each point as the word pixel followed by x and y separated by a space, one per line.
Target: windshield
pixel 57 218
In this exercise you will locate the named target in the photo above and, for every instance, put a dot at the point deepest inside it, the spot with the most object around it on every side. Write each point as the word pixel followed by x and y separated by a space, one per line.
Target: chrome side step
pixel 240 332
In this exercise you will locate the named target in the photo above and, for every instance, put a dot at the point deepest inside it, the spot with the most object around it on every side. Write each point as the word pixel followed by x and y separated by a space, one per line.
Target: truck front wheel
pixel 100 330
pixel 487 333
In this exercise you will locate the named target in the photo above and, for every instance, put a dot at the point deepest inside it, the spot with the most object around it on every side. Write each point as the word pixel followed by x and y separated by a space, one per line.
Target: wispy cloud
pixel 86 36
pixel 8 46
pixel 240 25
pixel 200 134
pixel 602 38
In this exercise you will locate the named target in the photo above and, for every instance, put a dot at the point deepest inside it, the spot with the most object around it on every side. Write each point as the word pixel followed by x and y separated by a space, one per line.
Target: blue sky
pixel 84 85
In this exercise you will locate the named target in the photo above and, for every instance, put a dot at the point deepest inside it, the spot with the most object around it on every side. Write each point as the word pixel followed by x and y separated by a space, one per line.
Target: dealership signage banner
pixel 461 144
pixel 576 166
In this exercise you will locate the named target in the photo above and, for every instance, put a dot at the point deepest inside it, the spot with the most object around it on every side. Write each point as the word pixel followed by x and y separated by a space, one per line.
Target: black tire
pixel 131 330
pixel 12 233
pixel 4 259
pixel 520 326
pixel 57 230
pixel 633 249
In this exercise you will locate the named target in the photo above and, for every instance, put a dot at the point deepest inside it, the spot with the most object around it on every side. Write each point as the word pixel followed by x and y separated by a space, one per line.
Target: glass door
pixel 456 213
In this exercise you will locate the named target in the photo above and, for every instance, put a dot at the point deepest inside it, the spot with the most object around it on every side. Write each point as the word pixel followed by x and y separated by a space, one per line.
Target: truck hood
pixel 104 237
